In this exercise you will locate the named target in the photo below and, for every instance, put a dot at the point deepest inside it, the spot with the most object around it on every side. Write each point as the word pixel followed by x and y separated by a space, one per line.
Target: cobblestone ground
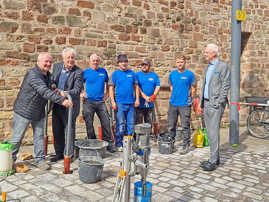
pixel 242 176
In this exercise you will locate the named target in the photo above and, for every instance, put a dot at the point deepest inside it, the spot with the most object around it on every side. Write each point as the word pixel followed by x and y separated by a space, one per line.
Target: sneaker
pixel 111 148
pixel 185 150
pixel 120 149
pixel 43 165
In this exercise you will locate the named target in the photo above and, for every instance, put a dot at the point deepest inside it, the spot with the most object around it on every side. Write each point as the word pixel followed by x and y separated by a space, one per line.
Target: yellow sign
pixel 241 15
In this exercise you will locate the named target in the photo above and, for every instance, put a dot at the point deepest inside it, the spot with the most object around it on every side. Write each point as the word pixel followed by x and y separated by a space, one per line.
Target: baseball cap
pixel 122 58
pixel 145 62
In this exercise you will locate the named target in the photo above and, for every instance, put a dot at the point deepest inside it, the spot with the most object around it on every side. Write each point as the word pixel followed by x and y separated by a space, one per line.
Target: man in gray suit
pixel 214 92
pixel 66 78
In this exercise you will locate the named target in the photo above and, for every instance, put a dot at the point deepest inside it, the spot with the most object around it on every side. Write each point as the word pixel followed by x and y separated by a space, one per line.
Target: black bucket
pixel 90 169
pixel 166 144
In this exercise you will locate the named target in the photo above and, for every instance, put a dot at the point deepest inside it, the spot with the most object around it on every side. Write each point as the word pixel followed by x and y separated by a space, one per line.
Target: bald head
pixel 44 62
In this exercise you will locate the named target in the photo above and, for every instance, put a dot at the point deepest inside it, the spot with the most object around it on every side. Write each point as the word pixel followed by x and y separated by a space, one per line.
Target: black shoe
pixel 209 166
pixel 111 148
pixel 57 158
pixel 185 150
pixel 206 162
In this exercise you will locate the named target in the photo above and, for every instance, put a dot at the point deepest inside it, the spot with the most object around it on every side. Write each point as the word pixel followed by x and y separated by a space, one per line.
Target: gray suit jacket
pixel 219 85
pixel 73 85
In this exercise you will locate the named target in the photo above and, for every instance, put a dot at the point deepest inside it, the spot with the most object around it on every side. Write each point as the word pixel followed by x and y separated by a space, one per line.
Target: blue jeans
pixel 20 125
pixel 124 122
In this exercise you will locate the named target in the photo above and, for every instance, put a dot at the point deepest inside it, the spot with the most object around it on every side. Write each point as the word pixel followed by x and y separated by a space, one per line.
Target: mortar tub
pixel 166 144
pixel 90 169
pixel 91 147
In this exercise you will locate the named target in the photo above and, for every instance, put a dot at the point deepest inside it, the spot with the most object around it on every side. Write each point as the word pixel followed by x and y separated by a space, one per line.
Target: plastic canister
pixel 6 158
pixel 198 139
pixel 138 192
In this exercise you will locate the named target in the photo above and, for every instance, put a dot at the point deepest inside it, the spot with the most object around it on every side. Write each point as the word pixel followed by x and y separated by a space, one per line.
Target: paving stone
pixel 253 196
pixel 7 187
pixel 208 199
pixel 17 194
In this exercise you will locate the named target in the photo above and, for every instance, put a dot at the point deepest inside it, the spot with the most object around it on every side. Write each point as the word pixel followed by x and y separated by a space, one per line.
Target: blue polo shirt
pixel 181 82
pixel 95 83
pixel 123 82
pixel 210 69
pixel 147 82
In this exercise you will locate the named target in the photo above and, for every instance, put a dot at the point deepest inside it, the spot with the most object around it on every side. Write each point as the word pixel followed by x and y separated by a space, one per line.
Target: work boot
pixel 111 148
pixel 185 149
pixel 43 165
pixel 57 158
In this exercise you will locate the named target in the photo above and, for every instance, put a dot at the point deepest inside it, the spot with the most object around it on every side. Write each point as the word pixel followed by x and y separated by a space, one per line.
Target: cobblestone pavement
pixel 242 176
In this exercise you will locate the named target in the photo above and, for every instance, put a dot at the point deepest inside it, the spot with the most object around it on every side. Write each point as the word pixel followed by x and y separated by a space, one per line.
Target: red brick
pixel 42 19
pixel 163 2
pixel 60 40
pixel 165 48
pixel 13 54
pixel 173 5
pixel 12 15
pixel 74 11
pixel 34 39
pixel 2 82
pixel 124 37
pixel 13 82
pixel 85 4
pixel 165 10
pixel 29 48
pixel 42 48
pixel 64 30
pixel 77 33
pixel 266 13
pixel 10 100
pixel 136 38
pixel 137 3
pixel 74 41
pixel 1 103
pixel 175 26
pixel 102 44
pixel 27 15
pixel 52 30
pixel 118 28
pixel 48 41
pixel 39 29
pixel 146 6
pixel 141 49
pixel 91 42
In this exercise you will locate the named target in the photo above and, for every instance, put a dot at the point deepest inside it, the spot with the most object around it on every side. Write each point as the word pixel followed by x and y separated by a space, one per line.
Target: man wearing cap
pixel 149 86
pixel 124 95
pixel 183 88
pixel 96 92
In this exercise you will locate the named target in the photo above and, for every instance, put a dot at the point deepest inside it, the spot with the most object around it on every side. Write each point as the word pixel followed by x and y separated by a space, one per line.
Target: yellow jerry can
pixel 198 138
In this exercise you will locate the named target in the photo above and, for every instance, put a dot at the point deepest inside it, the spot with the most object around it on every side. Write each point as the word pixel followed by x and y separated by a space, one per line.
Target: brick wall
pixel 155 29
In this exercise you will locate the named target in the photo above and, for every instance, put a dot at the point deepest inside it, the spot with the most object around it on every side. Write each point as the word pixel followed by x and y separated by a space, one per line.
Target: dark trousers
pixel 143 115
pixel 59 128
pixel 185 114
pixel 98 107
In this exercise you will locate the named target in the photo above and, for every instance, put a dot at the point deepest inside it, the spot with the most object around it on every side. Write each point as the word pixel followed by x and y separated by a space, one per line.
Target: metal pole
pixel 127 148
pixel 67 154
pixel 235 73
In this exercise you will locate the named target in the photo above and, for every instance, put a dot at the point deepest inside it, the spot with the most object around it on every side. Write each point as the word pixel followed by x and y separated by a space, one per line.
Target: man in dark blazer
pixel 66 78
pixel 214 93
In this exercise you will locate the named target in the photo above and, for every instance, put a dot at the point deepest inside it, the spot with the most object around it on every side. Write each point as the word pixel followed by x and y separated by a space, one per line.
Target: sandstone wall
pixel 154 29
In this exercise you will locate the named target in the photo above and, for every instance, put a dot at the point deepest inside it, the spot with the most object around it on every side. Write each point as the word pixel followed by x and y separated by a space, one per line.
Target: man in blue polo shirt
pixel 96 81
pixel 124 95
pixel 183 88
pixel 149 86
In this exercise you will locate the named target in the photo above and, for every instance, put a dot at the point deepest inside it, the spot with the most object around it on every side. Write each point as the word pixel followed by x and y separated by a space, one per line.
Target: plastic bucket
pixel 166 144
pixel 91 147
pixel 90 169
pixel 6 158
pixel 138 192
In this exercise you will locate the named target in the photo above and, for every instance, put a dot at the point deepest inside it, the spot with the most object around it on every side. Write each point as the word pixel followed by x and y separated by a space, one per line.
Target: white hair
pixel 213 47
pixel 93 56
pixel 68 50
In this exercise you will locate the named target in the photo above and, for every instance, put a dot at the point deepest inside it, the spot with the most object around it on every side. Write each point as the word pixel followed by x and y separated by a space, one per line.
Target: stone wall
pixel 155 29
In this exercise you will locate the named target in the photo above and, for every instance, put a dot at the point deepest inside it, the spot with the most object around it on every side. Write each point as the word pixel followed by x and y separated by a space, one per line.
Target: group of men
pixel 132 98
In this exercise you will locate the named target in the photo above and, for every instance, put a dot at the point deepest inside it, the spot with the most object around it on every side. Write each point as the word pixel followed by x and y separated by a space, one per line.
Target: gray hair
pixel 213 47
pixel 68 50
pixel 94 55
